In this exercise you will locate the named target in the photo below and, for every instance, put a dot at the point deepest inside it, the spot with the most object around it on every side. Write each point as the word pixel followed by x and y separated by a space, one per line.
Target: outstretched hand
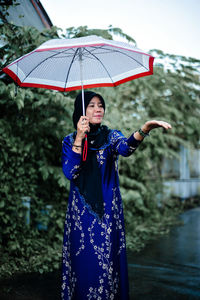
pixel 149 125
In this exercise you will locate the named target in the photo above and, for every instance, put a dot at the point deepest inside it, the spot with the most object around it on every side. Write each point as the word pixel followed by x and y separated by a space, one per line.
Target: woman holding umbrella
pixel 94 249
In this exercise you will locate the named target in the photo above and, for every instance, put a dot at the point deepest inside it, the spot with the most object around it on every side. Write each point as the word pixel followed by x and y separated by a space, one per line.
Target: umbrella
pixel 86 62
pixel 78 63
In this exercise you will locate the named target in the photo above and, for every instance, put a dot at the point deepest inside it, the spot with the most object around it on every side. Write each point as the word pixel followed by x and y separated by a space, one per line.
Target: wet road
pixel 168 268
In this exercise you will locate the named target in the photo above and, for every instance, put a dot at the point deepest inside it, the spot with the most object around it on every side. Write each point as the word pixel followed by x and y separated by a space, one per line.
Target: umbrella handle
pixel 85 148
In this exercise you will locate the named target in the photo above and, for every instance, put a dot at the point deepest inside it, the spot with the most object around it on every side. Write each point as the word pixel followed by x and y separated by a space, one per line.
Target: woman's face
pixel 95 111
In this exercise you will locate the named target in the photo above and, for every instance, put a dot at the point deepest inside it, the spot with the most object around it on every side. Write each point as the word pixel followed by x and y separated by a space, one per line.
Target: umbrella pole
pixel 83 100
pixel 85 148
pixel 81 75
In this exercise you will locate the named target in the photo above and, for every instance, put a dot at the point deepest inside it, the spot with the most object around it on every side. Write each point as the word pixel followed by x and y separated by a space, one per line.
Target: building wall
pixel 29 13
pixel 182 176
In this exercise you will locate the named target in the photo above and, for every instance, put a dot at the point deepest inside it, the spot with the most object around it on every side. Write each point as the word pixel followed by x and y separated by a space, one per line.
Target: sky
pixel 172 26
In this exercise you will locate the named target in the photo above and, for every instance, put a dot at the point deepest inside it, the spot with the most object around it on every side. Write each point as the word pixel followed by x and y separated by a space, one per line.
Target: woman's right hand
pixel 82 127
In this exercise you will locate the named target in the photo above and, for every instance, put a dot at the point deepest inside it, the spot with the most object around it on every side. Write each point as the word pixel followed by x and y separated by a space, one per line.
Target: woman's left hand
pixel 149 125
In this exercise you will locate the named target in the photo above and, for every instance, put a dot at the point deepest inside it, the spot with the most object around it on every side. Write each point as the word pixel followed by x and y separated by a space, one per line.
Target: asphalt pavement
pixel 169 267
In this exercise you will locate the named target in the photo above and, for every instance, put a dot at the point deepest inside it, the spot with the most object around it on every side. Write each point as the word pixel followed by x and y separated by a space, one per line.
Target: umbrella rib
pixel 127 56
pixel 100 63
pixel 43 62
pixel 74 56
pixel 118 51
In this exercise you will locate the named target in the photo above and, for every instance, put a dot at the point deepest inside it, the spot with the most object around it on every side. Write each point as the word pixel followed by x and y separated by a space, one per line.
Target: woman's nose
pixel 97 108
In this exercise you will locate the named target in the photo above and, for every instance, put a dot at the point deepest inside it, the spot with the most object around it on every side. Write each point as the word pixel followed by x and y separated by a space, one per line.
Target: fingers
pixel 149 125
pixel 84 122
pixel 84 119
pixel 165 125
pixel 83 125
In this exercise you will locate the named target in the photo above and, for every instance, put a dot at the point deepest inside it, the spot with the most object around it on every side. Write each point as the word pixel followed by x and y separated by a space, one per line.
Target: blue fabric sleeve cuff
pixel 74 156
pixel 132 141
pixel 68 153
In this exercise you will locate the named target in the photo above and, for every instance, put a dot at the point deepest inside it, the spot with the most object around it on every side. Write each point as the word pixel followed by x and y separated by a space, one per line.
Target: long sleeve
pixel 122 145
pixel 71 160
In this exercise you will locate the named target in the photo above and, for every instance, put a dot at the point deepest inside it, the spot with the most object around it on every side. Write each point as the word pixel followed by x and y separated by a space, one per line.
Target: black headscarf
pixel 89 180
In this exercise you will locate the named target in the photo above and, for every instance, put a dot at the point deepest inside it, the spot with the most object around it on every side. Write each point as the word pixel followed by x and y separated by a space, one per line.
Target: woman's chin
pixel 96 122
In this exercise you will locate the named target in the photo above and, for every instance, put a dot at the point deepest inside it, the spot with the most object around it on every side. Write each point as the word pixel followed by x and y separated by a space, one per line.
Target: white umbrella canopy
pixel 71 64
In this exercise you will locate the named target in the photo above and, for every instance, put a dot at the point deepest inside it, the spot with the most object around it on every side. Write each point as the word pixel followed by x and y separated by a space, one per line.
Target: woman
pixel 94 249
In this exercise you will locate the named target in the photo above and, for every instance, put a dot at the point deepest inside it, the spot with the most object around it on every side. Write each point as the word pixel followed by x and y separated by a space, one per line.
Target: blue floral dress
pixel 94 249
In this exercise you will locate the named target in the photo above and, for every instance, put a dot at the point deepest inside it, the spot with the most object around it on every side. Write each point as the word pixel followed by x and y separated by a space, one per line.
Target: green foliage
pixel 81 31
pixel 30 143
pixel 33 124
